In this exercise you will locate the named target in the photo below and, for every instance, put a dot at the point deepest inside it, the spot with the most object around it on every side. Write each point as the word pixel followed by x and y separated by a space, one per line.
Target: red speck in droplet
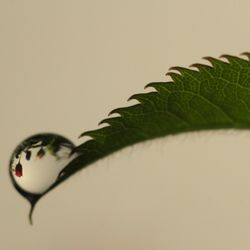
pixel 19 170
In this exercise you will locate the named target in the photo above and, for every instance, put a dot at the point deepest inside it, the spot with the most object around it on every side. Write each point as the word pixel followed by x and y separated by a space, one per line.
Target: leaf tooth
pixel 86 133
pixel 104 121
pixel 144 97
pixel 247 54
pixel 119 111
pixel 200 66
pixel 127 110
pixel 215 62
pixel 159 86
pixel 152 85
pixel 110 121
pixel 179 69
pixel 183 71
pixel 227 56
pixel 136 97
pixel 174 76
pixel 234 59
pixel 92 133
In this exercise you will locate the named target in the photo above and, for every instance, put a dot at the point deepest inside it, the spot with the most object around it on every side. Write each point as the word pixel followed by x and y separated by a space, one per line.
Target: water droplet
pixel 37 163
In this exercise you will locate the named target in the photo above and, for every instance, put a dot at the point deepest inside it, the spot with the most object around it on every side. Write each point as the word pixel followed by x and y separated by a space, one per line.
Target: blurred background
pixel 64 66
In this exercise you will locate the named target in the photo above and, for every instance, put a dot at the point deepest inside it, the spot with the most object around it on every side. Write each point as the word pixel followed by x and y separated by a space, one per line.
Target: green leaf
pixel 206 97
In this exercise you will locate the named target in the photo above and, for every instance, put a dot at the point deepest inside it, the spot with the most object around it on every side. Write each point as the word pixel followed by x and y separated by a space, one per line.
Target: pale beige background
pixel 64 66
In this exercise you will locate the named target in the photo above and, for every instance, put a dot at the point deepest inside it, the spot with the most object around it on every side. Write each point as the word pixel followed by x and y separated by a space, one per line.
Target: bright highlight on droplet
pixel 37 163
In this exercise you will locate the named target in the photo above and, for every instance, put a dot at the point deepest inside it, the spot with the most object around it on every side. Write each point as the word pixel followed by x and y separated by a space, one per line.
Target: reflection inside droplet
pixel 37 163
